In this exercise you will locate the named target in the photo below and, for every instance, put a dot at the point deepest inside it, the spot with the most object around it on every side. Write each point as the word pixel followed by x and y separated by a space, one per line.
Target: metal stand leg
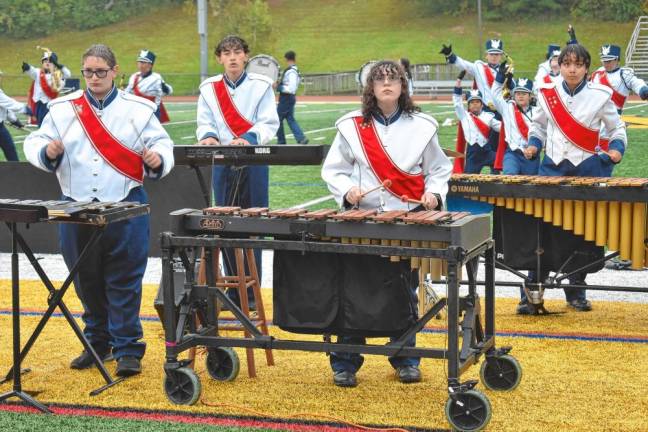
pixel 15 315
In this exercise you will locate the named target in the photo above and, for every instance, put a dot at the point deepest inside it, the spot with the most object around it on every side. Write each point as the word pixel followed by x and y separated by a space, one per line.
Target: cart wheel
pixel 182 386
pixel 501 373
pixel 222 364
pixel 471 411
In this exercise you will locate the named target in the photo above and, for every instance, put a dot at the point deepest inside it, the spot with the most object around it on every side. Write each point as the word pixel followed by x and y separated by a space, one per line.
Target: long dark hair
pixel 369 100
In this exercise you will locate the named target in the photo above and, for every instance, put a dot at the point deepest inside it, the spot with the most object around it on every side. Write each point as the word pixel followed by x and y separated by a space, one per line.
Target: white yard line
pixel 312 202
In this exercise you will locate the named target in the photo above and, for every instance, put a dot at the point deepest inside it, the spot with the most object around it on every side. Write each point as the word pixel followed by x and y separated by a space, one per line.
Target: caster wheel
pixel 222 364
pixel 182 386
pixel 471 411
pixel 501 373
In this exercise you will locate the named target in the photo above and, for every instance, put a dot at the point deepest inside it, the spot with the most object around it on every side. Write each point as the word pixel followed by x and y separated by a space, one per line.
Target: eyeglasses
pixel 388 78
pixel 101 73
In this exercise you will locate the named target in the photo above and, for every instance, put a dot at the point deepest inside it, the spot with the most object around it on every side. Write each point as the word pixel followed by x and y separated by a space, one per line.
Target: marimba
pixel 96 214
pixel 610 212
pixel 457 238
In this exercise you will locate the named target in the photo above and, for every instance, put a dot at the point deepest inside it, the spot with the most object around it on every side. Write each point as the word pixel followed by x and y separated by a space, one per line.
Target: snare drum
pixel 264 65
pixel 363 73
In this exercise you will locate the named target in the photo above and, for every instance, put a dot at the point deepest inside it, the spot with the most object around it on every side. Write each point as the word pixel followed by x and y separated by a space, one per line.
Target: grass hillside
pixel 333 35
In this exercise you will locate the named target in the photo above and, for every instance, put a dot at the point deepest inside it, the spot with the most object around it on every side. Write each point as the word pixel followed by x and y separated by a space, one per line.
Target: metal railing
pixel 636 55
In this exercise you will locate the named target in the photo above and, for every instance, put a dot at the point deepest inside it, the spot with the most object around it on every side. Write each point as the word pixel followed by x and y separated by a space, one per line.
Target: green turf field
pixel 294 185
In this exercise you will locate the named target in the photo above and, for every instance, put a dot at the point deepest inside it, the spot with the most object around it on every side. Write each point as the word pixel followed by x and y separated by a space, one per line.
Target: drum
pixel 363 73
pixel 264 65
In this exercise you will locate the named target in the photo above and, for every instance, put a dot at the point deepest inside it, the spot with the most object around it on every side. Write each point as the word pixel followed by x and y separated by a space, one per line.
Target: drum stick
pixel 405 198
pixel 385 183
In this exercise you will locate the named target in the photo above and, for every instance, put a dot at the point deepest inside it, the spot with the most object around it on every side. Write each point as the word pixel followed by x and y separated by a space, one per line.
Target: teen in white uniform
pixel 389 139
pixel 48 83
pixel 237 108
pixel 101 143
pixel 8 109
pixel 570 115
pixel 149 85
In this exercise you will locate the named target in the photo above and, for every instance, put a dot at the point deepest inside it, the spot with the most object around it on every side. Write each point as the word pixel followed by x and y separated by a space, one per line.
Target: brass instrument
pixel 57 74
pixel 506 92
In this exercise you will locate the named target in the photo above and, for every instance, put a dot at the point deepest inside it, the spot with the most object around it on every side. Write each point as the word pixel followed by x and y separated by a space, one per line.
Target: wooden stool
pixel 241 281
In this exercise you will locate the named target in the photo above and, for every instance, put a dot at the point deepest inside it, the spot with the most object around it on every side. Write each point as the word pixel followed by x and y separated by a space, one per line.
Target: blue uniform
pixel 286 107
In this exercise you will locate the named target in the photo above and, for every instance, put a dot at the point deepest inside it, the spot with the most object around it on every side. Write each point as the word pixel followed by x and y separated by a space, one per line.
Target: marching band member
pixel 549 67
pixel 621 80
pixel 8 109
pixel 49 80
pixel 286 108
pixel 514 155
pixel 100 143
pixel 570 115
pixel 475 128
pixel 483 72
pixel 150 85
pixel 237 108
pixel 389 139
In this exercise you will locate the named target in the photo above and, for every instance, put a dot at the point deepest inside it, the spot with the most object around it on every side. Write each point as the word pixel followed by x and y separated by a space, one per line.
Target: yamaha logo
pixel 470 189
pixel 212 224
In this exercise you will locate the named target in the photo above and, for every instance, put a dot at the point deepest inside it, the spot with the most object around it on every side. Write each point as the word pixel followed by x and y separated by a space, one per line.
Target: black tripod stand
pixel 15 315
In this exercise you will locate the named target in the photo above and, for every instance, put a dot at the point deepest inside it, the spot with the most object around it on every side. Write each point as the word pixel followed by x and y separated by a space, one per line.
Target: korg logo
pixel 212 224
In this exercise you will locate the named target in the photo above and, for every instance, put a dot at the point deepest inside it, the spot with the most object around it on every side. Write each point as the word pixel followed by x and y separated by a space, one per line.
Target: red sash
pixel 233 118
pixel 123 159
pixel 402 183
pixel 618 99
pixel 164 115
pixel 483 128
pixel 488 73
pixel 523 128
pixel 52 94
pixel 578 134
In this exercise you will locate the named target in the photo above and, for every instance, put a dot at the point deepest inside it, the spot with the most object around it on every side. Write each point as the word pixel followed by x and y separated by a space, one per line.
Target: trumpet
pixel 506 92
pixel 57 74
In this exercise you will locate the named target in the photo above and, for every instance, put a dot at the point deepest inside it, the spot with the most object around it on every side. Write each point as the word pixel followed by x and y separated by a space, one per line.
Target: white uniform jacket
pixel 471 133
pixel 411 142
pixel 8 107
pixel 623 80
pixel 507 109
pixel 591 105
pixel 39 95
pixel 82 172
pixel 151 85
pixel 254 99
pixel 476 69
pixel 290 81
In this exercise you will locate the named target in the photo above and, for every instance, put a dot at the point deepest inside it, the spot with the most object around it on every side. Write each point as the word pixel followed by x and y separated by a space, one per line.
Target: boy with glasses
pixel 149 84
pixel 100 143
pixel 388 139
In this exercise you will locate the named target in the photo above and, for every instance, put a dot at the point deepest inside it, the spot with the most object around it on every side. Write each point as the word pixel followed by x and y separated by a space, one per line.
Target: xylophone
pixel 608 211
pixel 457 238
pixel 95 214
pixel 88 212
pixel 197 155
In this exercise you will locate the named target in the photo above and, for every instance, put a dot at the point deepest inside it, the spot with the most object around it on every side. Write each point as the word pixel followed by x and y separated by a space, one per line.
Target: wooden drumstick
pixel 385 183
pixel 405 198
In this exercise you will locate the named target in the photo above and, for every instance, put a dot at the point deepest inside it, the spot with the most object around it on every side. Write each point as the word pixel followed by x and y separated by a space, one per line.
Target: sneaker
pixel 618 264
pixel 304 141
pixel 408 374
pixel 523 308
pixel 85 360
pixel 345 379
pixel 128 366
pixel 581 305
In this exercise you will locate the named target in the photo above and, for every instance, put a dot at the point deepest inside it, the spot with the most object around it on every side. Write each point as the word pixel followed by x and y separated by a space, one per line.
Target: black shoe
pixel 85 360
pixel 304 141
pixel 408 374
pixel 581 305
pixel 345 379
pixel 523 308
pixel 128 366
